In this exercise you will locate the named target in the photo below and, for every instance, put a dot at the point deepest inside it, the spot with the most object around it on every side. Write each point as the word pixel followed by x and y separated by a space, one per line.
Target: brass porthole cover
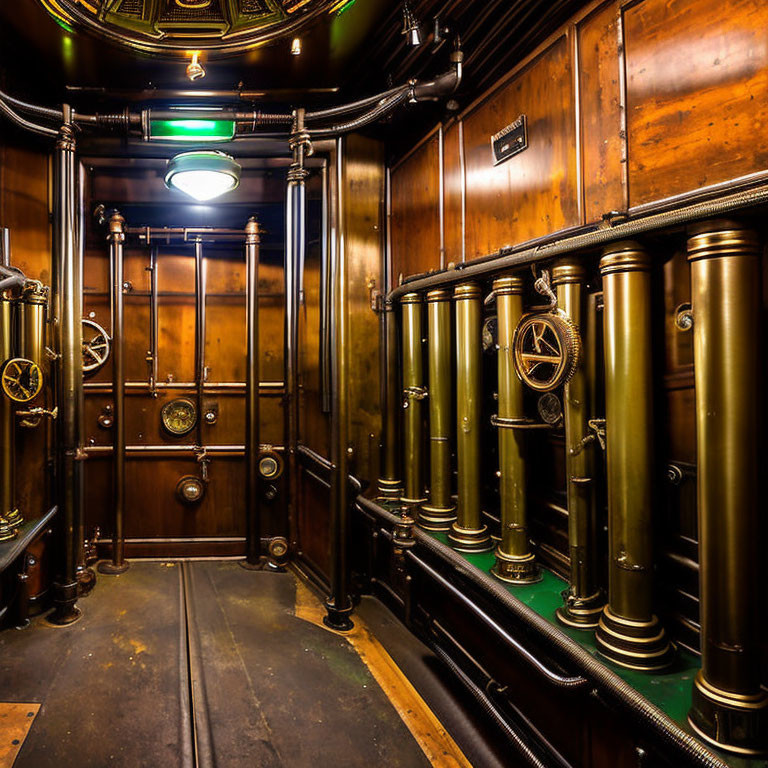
pixel 547 350
pixel 270 465
pixel 22 379
pixel 179 416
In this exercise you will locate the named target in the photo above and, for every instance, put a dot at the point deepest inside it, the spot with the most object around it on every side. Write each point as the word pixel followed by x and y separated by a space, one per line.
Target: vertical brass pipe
pixel 413 394
pixel 9 515
pixel 629 633
pixel 729 709
pixel 118 564
pixel 390 485
pixel 200 307
pixel 69 370
pixel 468 533
pixel 252 432
pixel 339 603
pixel 583 601
pixel 440 513
pixel 515 562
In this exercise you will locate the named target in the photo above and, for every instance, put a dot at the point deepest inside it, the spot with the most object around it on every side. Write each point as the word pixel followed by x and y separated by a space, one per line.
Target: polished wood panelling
pixel 600 112
pixel 453 188
pixel 535 192
pixel 416 211
pixel 697 88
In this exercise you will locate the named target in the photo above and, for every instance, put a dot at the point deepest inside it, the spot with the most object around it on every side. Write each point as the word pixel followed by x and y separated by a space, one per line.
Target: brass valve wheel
pixel 22 379
pixel 547 350
pixel 96 346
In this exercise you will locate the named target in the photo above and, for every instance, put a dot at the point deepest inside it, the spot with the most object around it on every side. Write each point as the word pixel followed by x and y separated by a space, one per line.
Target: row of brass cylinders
pixel 22 334
pixel 729 707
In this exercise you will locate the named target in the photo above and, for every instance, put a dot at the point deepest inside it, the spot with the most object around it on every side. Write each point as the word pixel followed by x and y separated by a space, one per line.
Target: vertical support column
pixel 118 564
pixel 440 513
pixel 729 709
pixel 390 486
pixel 295 248
pixel 413 393
pixel 339 603
pixel 515 563
pixel 69 371
pixel 583 601
pixel 200 306
pixel 628 632
pixel 468 533
pixel 253 555
pixel 10 519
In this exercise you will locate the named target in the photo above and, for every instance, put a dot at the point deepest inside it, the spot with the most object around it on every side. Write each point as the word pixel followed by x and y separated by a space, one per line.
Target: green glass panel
pixel 192 130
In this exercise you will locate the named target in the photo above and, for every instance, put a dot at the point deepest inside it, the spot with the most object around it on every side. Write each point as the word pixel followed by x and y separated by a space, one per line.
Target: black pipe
pixel 118 564
pixel 252 439
pixel 22 122
pixel 69 372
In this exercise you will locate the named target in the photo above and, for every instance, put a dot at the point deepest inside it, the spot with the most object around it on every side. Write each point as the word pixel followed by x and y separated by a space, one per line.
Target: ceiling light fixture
pixel 296 46
pixel 203 174
pixel 195 69
pixel 411 26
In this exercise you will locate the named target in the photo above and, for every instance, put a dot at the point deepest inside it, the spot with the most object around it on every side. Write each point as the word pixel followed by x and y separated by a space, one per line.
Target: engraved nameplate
pixel 510 141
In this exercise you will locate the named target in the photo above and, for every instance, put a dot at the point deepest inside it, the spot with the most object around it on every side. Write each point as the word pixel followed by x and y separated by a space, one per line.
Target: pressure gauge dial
pixel 21 379
pixel 179 416
pixel 270 465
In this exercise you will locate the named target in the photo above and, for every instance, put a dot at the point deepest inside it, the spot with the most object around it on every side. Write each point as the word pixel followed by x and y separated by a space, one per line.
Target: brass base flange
pixel 516 569
pixel 7 531
pixel 730 721
pixel 436 518
pixel 112 569
pixel 470 539
pixel 581 612
pixel 338 619
pixel 641 645
pixel 15 518
pixel 389 489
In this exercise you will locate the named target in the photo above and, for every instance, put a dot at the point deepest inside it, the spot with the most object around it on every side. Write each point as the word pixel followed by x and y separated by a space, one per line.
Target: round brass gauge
pixel 547 350
pixel 190 489
pixel 179 416
pixel 22 379
pixel 550 409
pixel 270 465
pixel 95 346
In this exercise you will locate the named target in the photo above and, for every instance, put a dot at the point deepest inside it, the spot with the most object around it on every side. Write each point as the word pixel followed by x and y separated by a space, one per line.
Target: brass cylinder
pixel 468 533
pixel 515 562
pixel 32 325
pixel 629 633
pixel 729 708
pixel 413 394
pixel 9 515
pixel 390 486
pixel 583 601
pixel 440 512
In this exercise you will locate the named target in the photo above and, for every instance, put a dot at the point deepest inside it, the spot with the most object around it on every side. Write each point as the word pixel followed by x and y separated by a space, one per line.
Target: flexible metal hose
pixel 354 106
pixel 509 258
pixel 24 123
pixel 366 119
pixel 53 114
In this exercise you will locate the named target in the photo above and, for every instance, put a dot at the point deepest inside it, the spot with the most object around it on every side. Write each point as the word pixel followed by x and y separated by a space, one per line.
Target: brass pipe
pixel 515 562
pixel 440 513
pixel 629 633
pixel 413 394
pixel 252 440
pixel 389 484
pixel 468 533
pixel 583 601
pixel 9 515
pixel 116 237
pixel 67 270
pixel 729 708
pixel 200 307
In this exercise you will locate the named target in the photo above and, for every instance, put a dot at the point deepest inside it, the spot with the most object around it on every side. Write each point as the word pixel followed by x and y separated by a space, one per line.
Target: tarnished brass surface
pixel 9 515
pixel 32 326
pixel 389 482
pixel 629 633
pixel 413 394
pixel 584 600
pixel 468 533
pixel 729 708
pixel 514 560
pixel 440 512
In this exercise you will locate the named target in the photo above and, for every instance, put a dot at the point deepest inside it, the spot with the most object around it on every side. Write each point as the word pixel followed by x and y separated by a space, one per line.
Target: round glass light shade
pixel 203 174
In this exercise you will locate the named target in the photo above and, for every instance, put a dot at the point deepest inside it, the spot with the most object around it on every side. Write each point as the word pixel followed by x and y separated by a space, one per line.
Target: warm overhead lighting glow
pixel 195 69
pixel 296 46
pixel 203 174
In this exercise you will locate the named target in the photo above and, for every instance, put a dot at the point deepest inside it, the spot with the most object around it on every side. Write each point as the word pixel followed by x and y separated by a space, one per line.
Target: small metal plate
pixel 510 141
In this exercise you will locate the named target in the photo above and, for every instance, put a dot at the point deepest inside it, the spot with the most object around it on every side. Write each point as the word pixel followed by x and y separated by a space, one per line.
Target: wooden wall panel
pixel 600 99
pixel 416 211
pixel 697 94
pixel 535 192
pixel 453 186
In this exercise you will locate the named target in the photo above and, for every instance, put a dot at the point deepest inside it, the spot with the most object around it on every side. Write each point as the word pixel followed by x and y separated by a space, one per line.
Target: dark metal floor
pixel 203 664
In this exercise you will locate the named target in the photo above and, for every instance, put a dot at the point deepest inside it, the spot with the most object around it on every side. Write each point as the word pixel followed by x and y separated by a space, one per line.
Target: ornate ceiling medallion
pixel 167 26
